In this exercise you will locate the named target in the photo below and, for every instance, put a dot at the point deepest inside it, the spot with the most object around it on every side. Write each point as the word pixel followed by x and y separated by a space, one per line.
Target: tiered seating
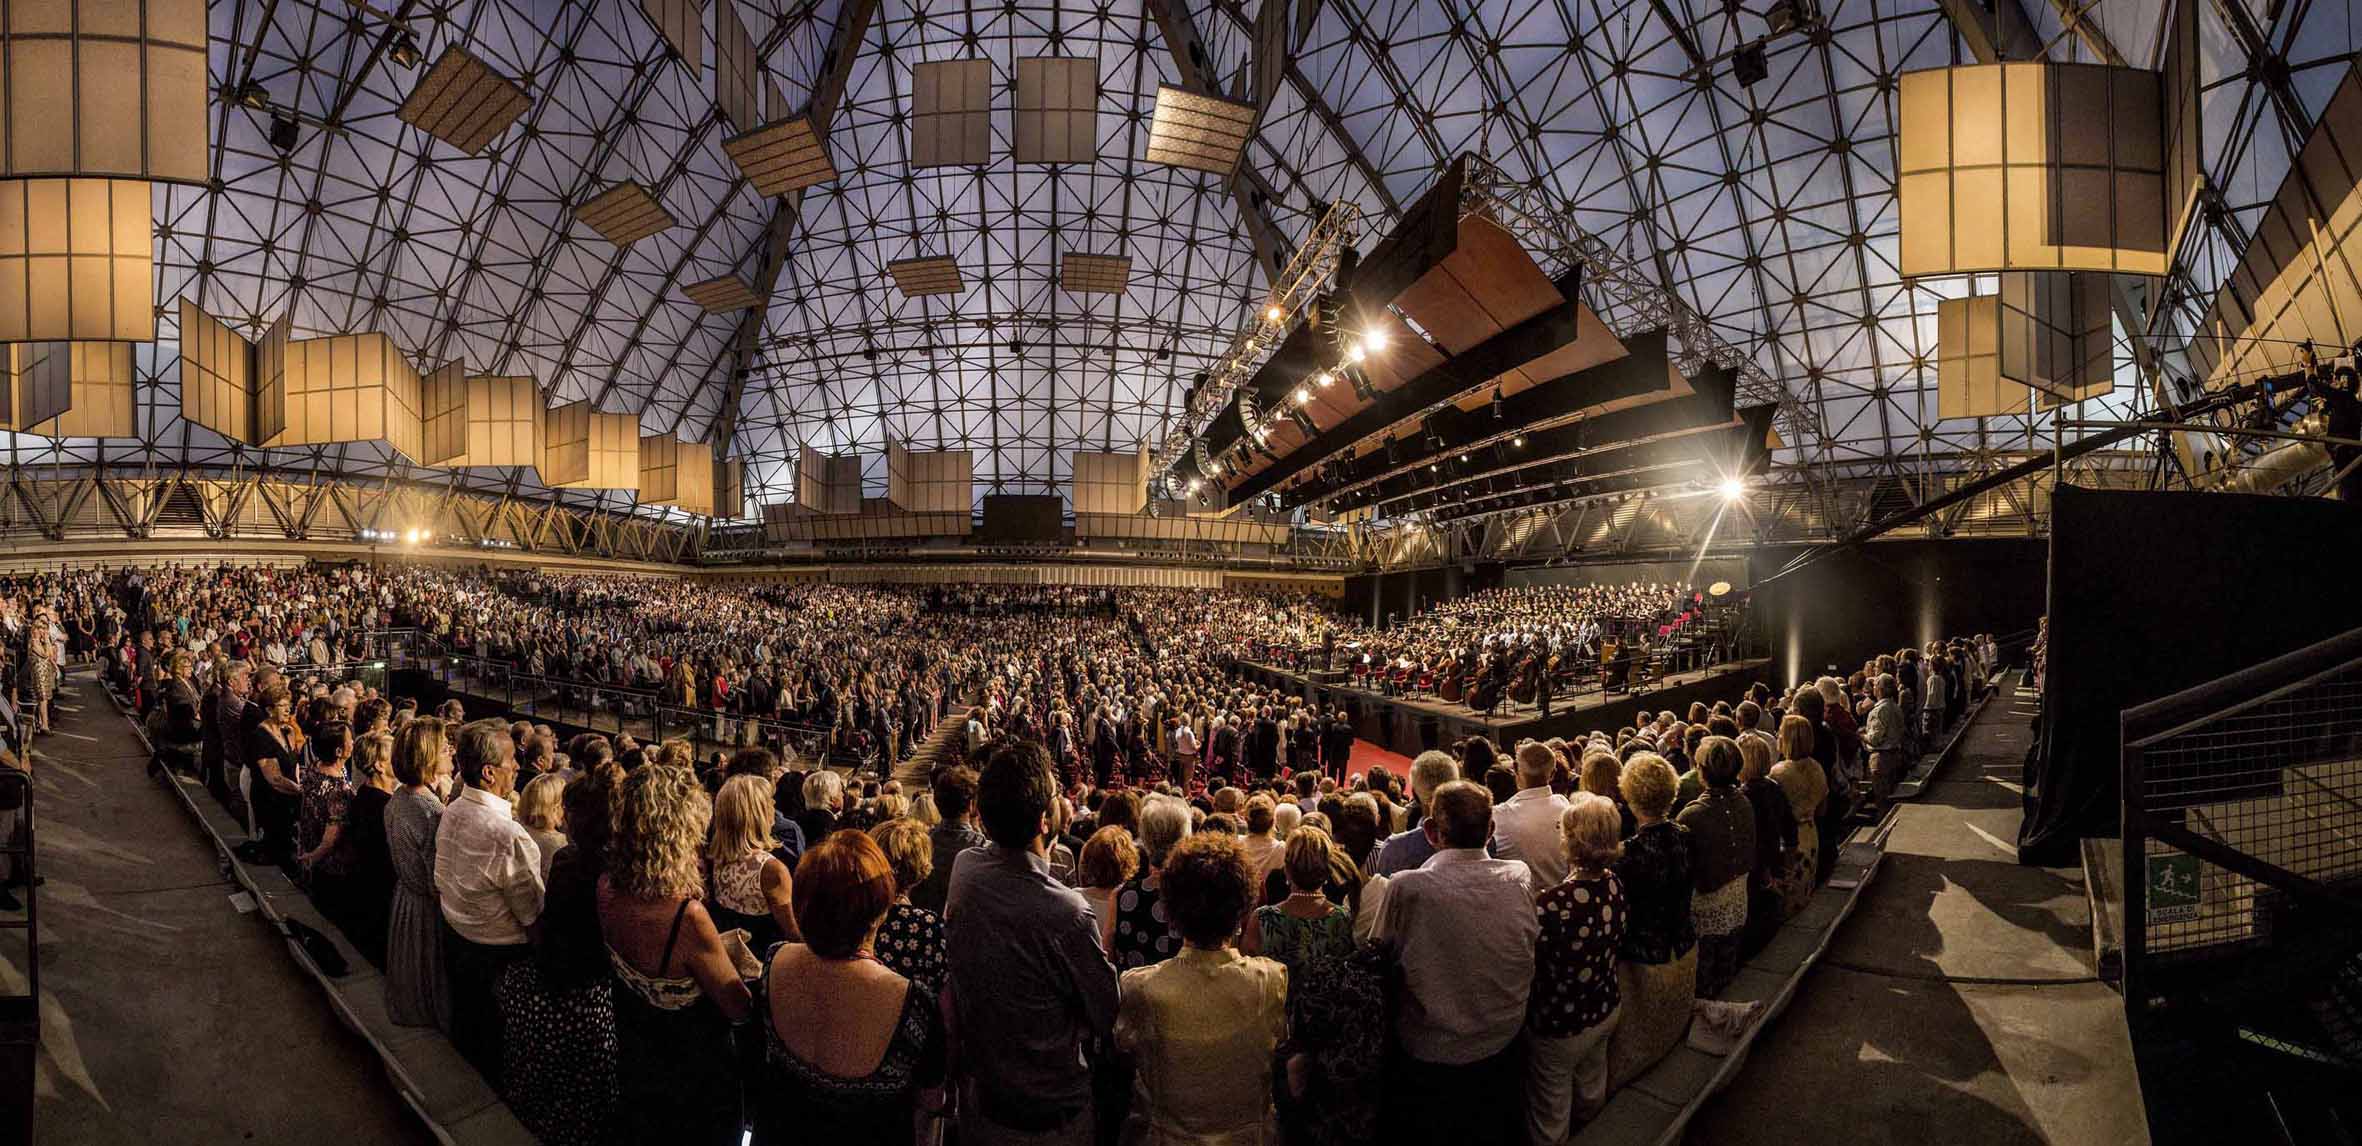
pixel 425 1068
pixel 916 771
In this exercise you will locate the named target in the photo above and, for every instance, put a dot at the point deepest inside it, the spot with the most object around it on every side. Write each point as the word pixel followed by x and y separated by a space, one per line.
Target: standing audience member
pixel 954 789
pixel 1657 965
pixel 1411 847
pixel 417 993
pixel 488 881
pixel 1575 1001
pixel 679 984
pixel 1029 981
pixel 850 1046
pixel 271 759
pixel 1463 927
pixel 354 882
pixel 1337 1026
pixel 1144 931
pixel 1526 825
pixel 541 808
pixel 559 1006
pixel 1721 827
pixel 1781 876
pixel 1203 1024
pixel 747 886
pixel 1110 860
pixel 910 941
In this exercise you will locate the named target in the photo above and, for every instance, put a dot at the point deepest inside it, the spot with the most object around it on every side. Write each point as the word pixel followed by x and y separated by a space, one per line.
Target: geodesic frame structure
pixel 1766 208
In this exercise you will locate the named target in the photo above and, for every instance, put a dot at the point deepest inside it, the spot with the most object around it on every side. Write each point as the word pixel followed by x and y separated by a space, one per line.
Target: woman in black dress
pixel 353 884
pixel 678 985
pixel 852 1050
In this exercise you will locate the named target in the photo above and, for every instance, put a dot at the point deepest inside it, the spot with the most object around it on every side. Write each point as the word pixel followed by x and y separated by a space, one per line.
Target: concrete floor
pixel 166 1015
pixel 1958 1004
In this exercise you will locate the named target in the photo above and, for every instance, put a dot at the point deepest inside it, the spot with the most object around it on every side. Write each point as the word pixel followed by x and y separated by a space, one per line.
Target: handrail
pixel 2151 721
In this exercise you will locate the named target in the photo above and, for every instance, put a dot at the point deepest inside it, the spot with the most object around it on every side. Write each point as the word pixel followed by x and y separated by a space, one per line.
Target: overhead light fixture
pixel 404 50
pixel 1272 314
pixel 1518 441
pixel 252 96
pixel 1733 489
pixel 1498 415
pixel 1355 353
pixel 1303 395
pixel 1749 66
pixel 285 133
pixel 1324 379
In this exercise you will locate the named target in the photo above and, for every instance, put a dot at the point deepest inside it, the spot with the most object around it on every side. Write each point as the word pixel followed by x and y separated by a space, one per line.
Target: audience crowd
pixel 1139 901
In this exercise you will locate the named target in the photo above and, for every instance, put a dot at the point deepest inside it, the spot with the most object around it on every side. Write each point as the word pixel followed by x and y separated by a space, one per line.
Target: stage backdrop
pixel 2151 593
pixel 1881 596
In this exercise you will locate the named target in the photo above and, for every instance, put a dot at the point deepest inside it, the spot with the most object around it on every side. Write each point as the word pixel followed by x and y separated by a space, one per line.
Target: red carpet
pixel 1366 754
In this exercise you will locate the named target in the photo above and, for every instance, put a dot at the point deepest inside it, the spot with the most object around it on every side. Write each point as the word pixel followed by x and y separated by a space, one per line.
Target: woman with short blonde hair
pixel 1576 997
pixel 541 807
pixel 746 885
pixel 1657 960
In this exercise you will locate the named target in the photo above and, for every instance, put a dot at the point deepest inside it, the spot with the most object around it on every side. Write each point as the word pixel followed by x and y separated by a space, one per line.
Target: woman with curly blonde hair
pixel 679 983
pixel 748 886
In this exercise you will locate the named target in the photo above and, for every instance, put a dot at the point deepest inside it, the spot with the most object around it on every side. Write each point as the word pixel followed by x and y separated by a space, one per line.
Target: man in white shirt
pixel 1463 928
pixel 489 883
pixel 1525 826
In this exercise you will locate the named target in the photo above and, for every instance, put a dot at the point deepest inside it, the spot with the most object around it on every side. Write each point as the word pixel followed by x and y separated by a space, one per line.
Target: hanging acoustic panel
pixel 828 483
pixel 352 388
pixel 2032 166
pixel 734 68
pixel 930 481
pixel 100 378
pixel 1110 482
pixel 2048 332
pixel 1083 273
pixel 730 489
pixel 463 102
pixel 1199 132
pixel 216 376
pixel 582 448
pixel 442 397
pixel 660 469
pixel 921 277
pixel 723 294
pixel 76 261
pixel 624 214
pixel 1057 110
pixel 951 113
pixel 34 386
pixel 481 420
pixel 104 87
pixel 782 157
pixel 695 477
pixel 682 24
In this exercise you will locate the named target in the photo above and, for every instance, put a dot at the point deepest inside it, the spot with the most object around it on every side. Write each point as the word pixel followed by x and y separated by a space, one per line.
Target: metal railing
pixel 643 713
pixel 2242 810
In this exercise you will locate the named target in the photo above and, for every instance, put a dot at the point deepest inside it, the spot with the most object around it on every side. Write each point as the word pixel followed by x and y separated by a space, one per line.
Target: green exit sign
pixel 2174 888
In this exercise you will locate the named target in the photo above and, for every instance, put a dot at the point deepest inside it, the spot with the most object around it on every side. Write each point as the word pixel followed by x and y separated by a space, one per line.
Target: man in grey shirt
pixel 1030 983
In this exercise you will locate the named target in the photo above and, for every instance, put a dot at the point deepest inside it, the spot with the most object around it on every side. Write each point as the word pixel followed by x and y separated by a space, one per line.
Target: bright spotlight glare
pixel 1324 379
pixel 1733 489
pixel 1273 313
pixel 1355 353
pixel 1375 339
pixel 1303 395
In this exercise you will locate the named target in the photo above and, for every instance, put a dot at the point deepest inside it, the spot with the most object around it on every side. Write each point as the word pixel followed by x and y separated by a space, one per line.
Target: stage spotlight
pixel 1498 415
pixel 1194 484
pixel 1393 451
pixel 1518 441
pixel 411 537
pixel 252 96
pixel 1272 314
pixel 1733 489
pixel 1355 353
pixel 1303 395
pixel 404 50
pixel 1324 379
pixel 1362 389
pixel 285 132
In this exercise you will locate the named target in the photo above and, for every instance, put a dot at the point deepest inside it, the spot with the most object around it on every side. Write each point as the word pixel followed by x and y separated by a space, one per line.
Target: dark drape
pixel 2151 593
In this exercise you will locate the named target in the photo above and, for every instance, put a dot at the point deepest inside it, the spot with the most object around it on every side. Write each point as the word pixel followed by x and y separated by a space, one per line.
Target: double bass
pixel 1525 677
pixel 1485 695
pixel 1449 682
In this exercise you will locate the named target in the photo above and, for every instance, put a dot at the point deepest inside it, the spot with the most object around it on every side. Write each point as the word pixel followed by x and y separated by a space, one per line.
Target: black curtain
pixel 2151 593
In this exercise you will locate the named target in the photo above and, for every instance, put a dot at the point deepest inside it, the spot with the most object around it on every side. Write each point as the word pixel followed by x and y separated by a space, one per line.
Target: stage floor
pixel 1408 724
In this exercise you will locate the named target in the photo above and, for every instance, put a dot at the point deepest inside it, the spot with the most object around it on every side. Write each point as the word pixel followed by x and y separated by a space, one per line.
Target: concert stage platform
pixel 1412 724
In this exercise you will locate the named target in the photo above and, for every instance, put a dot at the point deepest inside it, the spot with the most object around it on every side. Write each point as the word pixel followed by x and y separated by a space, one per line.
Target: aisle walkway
pixel 1958 1004
pixel 166 1016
